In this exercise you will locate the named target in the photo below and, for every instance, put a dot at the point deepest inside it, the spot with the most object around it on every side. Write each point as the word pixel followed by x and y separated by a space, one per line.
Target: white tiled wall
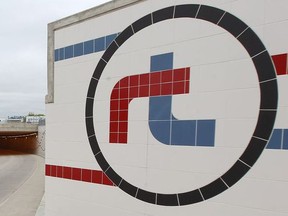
pixel 223 86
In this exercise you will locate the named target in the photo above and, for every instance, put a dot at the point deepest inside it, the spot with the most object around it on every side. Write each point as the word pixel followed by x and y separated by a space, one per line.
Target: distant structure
pixel 34 119
pixel 30 118
pixel 15 119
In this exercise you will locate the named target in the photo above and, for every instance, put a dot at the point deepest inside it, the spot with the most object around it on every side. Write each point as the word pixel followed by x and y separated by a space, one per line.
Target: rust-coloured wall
pixel 29 143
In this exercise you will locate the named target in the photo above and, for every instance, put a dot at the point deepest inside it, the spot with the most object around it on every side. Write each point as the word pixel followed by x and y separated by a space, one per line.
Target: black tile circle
pixel 265 123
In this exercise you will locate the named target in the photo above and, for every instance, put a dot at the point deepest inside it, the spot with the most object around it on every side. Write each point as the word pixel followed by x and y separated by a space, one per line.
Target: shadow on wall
pixel 26 143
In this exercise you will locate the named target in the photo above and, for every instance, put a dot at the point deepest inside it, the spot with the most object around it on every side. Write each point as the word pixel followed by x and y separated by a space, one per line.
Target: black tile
pixel 99 69
pixel 265 124
pixel 94 145
pixel 92 88
pixel 114 177
pixel 253 151
pixel 251 42
pixel 167 199
pixel 102 161
pixel 90 127
pixel 189 10
pixel 163 14
pixel 142 23
pixel 264 66
pixel 124 35
pixel 110 51
pixel 128 188
pixel 89 107
pixel 269 95
pixel 232 24
pixel 190 197
pixel 235 173
pixel 146 196
pixel 210 14
pixel 214 188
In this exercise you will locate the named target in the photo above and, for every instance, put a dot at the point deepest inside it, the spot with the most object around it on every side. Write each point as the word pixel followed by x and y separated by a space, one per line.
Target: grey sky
pixel 23 50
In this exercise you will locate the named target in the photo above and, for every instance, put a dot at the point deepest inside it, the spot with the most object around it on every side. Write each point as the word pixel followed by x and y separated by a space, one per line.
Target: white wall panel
pixel 223 86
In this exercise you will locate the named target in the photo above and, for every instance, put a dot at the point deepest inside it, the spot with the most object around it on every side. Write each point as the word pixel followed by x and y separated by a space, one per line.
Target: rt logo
pixel 160 84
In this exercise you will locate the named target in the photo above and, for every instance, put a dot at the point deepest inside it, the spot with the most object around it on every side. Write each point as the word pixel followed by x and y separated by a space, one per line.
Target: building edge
pixel 70 20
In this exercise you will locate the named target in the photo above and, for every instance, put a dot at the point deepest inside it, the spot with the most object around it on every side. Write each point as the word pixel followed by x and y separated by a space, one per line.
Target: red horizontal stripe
pixel 78 174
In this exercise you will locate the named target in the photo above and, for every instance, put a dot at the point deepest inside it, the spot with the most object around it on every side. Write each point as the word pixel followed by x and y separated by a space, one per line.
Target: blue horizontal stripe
pixel 84 48
pixel 278 139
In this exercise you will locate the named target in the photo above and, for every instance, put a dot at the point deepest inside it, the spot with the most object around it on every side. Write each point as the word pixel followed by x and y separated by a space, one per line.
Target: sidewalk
pixel 25 198
pixel 41 208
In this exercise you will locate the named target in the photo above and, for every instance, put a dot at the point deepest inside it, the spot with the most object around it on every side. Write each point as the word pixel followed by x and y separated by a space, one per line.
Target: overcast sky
pixel 23 50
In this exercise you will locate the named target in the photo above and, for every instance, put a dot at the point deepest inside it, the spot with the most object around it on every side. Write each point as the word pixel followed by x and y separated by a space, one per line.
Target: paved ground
pixel 21 183
pixel 41 208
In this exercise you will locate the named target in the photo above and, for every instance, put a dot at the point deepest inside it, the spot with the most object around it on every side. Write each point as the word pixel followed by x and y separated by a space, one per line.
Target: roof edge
pixel 90 13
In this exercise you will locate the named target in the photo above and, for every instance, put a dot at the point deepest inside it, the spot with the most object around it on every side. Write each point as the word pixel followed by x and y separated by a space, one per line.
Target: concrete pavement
pixel 41 208
pixel 21 183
